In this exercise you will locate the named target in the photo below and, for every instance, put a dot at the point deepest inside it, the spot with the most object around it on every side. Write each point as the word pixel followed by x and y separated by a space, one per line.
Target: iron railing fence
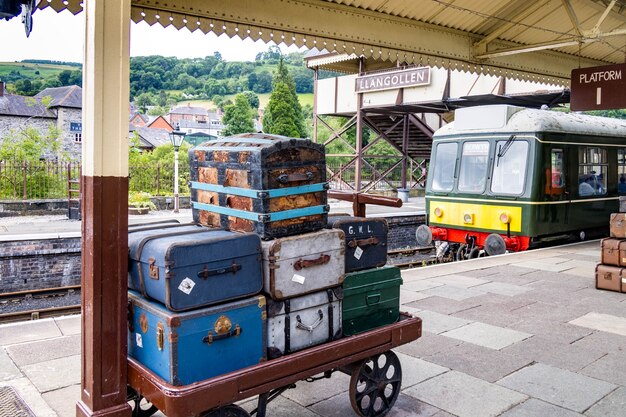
pixel 49 180
pixel 43 180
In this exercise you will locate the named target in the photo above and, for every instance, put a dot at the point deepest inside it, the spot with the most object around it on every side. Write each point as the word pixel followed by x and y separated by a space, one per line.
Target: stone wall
pixel 12 125
pixel 69 146
pixel 402 231
pixel 39 263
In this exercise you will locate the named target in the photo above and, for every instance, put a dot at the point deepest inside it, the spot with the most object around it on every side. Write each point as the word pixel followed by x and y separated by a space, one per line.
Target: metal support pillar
pixel 104 269
pixel 315 78
pixel 358 166
pixel 405 149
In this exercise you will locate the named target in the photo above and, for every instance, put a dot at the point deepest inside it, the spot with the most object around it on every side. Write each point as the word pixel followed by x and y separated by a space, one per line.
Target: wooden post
pixel 106 86
pixel 315 78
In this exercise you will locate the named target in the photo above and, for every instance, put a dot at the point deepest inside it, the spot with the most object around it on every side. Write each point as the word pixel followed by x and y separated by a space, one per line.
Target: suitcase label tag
pixel 186 285
pixel 298 278
pixel 139 340
pixel 358 252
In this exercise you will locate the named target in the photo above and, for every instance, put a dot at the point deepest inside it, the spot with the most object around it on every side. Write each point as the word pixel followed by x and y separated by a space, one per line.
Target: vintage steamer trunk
pixel 302 322
pixel 302 264
pixel 618 225
pixel 613 252
pixel 366 241
pixel 610 278
pixel 371 299
pixel 183 348
pixel 189 266
pixel 271 185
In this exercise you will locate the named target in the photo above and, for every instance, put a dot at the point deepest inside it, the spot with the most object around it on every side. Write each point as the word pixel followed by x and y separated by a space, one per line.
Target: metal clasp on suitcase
pixel 223 328
pixel 608 276
pixel 302 326
pixel 206 272
pixel 307 263
pixel 153 268
pixel 295 177
pixel 363 242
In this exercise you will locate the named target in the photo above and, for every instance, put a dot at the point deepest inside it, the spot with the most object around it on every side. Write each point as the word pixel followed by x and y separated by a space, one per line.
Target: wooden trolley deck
pixel 346 353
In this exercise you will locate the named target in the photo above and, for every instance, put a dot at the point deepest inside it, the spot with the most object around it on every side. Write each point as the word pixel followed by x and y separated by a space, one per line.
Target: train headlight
pixel 505 217
pixel 438 212
pixel 468 218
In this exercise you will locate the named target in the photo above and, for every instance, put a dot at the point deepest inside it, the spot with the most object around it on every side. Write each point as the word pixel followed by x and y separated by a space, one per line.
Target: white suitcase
pixel 303 264
pixel 302 322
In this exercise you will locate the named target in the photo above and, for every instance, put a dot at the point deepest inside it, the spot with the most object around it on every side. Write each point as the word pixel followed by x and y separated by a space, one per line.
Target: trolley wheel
pixel 142 407
pixel 375 385
pixel 226 411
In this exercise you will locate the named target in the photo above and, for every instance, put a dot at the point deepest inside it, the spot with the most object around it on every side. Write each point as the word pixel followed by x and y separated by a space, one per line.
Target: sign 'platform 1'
pixel 599 88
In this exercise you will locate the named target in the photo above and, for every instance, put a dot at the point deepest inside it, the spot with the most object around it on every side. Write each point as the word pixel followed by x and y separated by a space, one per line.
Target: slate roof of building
pixel 189 110
pixel 151 136
pixel 70 96
pixel 21 106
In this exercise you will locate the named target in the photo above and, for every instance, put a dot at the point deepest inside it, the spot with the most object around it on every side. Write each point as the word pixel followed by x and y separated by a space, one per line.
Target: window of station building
pixel 473 174
pixel 443 166
pixel 621 171
pixel 78 137
pixel 592 171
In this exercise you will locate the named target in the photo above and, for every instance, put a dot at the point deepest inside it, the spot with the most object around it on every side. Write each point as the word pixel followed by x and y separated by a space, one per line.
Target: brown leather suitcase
pixel 610 253
pixel 618 225
pixel 610 278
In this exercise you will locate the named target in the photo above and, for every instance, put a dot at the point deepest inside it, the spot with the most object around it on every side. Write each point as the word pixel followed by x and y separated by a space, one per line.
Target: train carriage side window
pixel 509 171
pixel 592 171
pixel 444 165
pixel 555 177
pixel 621 171
pixel 474 159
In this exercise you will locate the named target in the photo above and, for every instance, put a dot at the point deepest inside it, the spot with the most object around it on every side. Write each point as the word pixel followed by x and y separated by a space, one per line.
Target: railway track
pixel 411 258
pixel 38 304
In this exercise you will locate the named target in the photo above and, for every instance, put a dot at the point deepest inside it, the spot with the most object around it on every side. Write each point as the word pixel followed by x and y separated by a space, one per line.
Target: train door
pixel 556 188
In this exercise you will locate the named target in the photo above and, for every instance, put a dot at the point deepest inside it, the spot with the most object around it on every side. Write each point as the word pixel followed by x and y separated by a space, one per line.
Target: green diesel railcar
pixel 505 178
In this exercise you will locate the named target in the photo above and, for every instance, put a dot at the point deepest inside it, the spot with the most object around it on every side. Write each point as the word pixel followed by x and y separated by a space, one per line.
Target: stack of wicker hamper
pixel 610 273
pixel 262 272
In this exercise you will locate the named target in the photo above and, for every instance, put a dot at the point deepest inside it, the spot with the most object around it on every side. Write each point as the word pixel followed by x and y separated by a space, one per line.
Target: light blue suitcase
pixel 183 348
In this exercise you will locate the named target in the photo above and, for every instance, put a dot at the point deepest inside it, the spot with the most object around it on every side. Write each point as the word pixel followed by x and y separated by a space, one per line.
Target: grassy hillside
pixel 30 70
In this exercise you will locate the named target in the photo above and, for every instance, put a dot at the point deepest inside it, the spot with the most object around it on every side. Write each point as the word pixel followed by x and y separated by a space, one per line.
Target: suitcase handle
pixel 295 177
pixel 210 338
pixel 302 326
pixel 206 272
pixel 363 242
pixel 373 299
pixel 307 263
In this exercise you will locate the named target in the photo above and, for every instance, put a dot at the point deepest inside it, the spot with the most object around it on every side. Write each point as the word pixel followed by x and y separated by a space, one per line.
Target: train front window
pixel 509 168
pixel 473 175
pixel 445 160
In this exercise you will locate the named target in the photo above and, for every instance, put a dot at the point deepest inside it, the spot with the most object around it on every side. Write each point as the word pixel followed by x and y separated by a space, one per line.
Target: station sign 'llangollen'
pixel 397 79
pixel 598 88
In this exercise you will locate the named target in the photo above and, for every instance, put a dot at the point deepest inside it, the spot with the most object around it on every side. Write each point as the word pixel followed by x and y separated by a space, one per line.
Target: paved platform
pixel 521 335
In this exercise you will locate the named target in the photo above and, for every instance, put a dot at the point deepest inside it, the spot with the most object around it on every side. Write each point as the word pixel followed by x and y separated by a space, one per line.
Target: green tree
pixel 283 114
pixel 29 145
pixel 238 117
pixel 144 100
pixel 253 99
pixel 64 77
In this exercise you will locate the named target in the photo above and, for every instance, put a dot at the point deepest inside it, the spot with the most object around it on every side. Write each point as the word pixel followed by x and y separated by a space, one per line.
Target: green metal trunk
pixel 371 299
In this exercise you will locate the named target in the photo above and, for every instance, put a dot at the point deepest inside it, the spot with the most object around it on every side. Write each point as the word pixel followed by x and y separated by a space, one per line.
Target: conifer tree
pixel 283 114
pixel 238 117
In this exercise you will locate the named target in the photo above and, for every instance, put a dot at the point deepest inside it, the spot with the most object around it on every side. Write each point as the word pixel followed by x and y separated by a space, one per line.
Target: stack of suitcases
pixel 610 272
pixel 262 271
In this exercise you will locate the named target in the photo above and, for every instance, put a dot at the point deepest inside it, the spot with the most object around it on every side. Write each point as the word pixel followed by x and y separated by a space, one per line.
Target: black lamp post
pixel 176 137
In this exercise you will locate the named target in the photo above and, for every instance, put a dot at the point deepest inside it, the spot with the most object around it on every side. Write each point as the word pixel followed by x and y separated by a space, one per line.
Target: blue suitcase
pixel 189 266
pixel 183 348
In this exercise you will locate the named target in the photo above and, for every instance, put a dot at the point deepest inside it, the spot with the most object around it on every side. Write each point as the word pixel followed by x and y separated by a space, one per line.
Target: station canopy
pixel 541 40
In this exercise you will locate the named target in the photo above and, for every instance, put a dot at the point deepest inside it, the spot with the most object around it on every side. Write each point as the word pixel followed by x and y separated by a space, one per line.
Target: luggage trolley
pixel 376 377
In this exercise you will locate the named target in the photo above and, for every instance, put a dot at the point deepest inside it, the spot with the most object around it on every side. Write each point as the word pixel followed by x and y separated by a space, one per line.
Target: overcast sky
pixel 59 37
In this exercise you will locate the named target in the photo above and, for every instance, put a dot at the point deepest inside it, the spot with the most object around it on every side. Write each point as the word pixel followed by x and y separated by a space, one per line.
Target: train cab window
pixel 592 171
pixel 509 168
pixel 444 164
pixel 621 171
pixel 473 175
